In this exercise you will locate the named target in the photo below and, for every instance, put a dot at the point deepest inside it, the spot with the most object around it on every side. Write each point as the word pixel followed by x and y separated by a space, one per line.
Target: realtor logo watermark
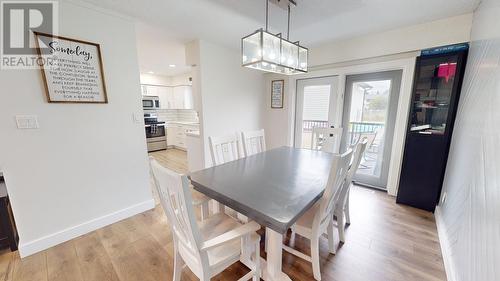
pixel 19 20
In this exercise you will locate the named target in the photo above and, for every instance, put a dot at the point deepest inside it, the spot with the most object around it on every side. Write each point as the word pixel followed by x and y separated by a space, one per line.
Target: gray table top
pixel 274 188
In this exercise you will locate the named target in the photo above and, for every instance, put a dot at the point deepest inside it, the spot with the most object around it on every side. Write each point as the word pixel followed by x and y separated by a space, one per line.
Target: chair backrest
pixel 338 173
pixel 370 137
pixel 359 149
pixel 175 197
pixel 326 139
pixel 225 149
pixel 253 142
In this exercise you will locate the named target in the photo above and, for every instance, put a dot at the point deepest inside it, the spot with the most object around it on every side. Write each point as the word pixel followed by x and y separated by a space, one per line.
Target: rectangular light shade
pixel 268 52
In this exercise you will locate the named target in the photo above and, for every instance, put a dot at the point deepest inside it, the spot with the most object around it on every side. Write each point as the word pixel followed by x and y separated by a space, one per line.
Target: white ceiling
pixel 157 50
pixel 313 21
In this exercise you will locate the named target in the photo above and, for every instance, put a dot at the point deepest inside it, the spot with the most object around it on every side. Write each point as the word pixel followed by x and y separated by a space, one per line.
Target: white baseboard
pixel 445 246
pixel 32 247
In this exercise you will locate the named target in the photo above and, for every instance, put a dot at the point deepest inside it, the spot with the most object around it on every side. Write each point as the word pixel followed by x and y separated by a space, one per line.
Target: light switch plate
pixel 137 117
pixel 27 121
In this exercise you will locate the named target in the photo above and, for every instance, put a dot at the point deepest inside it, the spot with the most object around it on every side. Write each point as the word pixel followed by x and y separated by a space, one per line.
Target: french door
pixel 316 106
pixel 370 107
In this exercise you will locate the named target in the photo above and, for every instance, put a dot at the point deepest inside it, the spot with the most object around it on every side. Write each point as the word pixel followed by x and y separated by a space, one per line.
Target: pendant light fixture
pixel 270 52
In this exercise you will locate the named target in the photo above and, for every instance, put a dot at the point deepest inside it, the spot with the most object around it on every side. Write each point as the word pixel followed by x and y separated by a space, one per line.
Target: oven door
pixel 155 131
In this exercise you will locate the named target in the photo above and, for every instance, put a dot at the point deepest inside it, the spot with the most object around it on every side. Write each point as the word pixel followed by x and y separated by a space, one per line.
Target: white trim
pixel 445 246
pixel 40 244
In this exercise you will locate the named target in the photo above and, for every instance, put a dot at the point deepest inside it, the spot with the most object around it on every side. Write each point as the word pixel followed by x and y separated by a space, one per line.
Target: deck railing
pixel 355 128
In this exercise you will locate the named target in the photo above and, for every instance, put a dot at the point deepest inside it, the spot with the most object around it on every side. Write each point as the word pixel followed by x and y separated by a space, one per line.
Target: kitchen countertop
pixel 182 123
pixel 195 134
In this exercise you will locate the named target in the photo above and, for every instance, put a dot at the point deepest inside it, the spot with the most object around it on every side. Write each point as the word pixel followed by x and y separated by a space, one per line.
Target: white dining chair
pixel 211 246
pixel 326 139
pixel 319 218
pixel 224 149
pixel 199 199
pixel 342 208
pixel 370 137
pixel 253 142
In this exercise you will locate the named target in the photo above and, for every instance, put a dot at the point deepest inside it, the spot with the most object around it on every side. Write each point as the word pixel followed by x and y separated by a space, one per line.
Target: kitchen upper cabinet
pixel 148 90
pixel 183 97
pixel 178 97
pixel 166 97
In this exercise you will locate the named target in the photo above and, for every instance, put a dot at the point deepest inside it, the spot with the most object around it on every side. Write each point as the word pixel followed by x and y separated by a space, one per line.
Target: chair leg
pixel 178 263
pixel 331 238
pixel 205 277
pixel 256 275
pixel 341 226
pixel 315 258
pixel 266 240
pixel 346 210
pixel 205 213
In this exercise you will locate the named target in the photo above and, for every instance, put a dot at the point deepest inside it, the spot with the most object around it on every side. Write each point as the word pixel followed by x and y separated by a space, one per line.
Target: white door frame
pixel 408 67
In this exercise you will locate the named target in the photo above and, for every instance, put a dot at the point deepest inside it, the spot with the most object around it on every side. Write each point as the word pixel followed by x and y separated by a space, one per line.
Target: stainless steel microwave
pixel 150 102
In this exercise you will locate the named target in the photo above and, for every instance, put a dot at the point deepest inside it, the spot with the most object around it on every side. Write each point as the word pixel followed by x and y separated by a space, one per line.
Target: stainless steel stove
pixel 156 135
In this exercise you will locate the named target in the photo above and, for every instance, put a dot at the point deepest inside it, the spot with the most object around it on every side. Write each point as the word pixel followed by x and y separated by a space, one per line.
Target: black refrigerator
pixel 436 92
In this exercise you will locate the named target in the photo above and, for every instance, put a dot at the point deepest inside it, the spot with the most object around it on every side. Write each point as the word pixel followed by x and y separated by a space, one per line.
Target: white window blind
pixel 316 102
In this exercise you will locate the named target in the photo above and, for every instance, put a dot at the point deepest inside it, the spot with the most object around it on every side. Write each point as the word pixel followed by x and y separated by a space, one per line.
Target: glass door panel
pixel 432 96
pixel 369 112
pixel 316 98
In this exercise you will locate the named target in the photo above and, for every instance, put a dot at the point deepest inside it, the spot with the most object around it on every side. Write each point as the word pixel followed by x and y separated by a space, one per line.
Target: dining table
pixel 273 188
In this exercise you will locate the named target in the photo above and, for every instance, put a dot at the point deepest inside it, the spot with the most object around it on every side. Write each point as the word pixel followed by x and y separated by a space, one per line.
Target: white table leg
pixel 216 207
pixel 272 269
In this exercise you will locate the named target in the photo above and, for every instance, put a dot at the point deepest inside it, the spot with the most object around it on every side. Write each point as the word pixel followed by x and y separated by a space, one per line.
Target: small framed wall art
pixel 71 69
pixel 277 88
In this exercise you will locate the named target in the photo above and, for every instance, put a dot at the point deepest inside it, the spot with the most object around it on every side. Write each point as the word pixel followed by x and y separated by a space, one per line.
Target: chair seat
pixel 306 220
pixel 219 224
pixel 198 198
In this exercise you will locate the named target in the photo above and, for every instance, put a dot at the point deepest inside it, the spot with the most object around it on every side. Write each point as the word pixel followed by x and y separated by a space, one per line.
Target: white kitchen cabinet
pixel 148 90
pixel 188 98
pixel 178 97
pixel 171 132
pixel 166 97
pixel 183 96
pixel 176 134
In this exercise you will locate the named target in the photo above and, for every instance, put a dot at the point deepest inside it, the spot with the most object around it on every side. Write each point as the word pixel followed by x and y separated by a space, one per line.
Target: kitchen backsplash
pixel 183 115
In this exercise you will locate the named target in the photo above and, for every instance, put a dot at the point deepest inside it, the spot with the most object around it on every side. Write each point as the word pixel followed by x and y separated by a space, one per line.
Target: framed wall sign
pixel 277 88
pixel 72 69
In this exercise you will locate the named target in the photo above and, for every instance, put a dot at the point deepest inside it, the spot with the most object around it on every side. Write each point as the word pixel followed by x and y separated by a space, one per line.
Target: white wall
pixel 230 97
pixel 469 217
pixel 182 79
pixel 86 166
pixel 406 39
pixel 377 52
pixel 164 80
pixel 155 79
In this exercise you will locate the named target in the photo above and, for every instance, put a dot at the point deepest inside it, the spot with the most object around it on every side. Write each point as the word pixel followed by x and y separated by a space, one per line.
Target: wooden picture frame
pixel 63 83
pixel 277 93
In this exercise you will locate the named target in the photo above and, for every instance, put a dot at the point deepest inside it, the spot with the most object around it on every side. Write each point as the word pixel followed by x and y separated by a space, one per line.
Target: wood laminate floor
pixel 385 242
